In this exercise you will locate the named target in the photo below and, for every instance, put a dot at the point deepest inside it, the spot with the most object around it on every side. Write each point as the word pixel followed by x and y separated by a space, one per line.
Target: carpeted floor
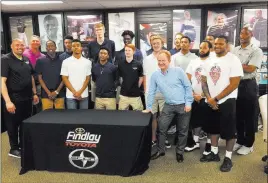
pixel 247 169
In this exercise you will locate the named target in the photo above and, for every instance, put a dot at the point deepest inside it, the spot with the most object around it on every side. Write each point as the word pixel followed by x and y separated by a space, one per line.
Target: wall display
pixel 188 22
pixel 146 30
pixel 50 28
pixel 262 72
pixel 118 22
pixel 256 19
pixel 82 26
pixel 222 22
pixel 21 27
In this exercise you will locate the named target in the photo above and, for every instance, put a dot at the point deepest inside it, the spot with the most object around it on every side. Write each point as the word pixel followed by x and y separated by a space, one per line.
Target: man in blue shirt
pixel 176 88
pixel 68 48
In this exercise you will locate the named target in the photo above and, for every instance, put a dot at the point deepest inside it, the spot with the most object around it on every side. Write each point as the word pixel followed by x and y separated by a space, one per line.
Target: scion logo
pixel 83 159
pixel 80 138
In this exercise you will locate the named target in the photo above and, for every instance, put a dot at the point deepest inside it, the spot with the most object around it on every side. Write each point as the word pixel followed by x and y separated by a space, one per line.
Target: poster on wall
pixel 222 23
pixel 188 22
pixel 262 72
pixel 256 19
pixel 82 26
pixel 50 28
pixel 146 30
pixel 21 27
pixel 118 22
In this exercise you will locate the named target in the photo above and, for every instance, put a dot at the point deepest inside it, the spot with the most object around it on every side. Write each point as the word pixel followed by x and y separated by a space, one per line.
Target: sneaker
pixel 237 146
pixel 203 135
pixel 208 147
pixel 153 143
pixel 245 150
pixel 264 158
pixel 193 147
pixel 172 130
pixel 226 165
pixel 15 153
pixel 167 144
pixel 210 157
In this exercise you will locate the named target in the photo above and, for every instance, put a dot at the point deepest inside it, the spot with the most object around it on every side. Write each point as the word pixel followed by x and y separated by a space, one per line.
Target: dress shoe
pixel 157 155
pixel 179 158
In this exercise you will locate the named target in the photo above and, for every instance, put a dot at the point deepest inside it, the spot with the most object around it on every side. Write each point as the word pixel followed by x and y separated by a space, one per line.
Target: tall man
pixel 18 90
pixel 211 39
pixel 251 58
pixel 131 73
pixel 177 47
pixel 68 48
pixel 171 82
pixel 48 69
pixel 76 71
pixel 220 80
pixel 104 74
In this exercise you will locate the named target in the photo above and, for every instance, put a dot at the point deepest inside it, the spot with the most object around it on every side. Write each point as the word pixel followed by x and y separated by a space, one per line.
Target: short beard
pixel 204 55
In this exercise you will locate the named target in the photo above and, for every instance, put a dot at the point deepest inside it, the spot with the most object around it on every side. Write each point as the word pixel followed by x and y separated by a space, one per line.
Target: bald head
pixel 17 47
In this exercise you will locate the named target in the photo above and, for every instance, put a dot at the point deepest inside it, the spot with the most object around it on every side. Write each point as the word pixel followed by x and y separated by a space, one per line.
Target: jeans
pixel 183 120
pixel 77 104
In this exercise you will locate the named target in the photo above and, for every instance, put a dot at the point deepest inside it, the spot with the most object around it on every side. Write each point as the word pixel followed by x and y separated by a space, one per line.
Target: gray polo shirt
pixel 250 55
pixel 181 60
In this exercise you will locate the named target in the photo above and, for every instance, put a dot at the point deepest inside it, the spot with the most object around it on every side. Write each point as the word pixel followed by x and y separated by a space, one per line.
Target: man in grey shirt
pixel 251 58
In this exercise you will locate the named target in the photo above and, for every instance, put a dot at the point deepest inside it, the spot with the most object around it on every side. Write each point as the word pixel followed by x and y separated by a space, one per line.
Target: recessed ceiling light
pixel 29 2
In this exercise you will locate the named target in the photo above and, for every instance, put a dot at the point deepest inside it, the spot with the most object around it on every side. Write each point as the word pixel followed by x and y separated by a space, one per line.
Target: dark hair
pixel 77 41
pixel 51 41
pixel 50 17
pixel 104 48
pixel 209 44
pixel 69 37
pixel 186 37
pixel 223 37
pixel 128 32
pixel 211 36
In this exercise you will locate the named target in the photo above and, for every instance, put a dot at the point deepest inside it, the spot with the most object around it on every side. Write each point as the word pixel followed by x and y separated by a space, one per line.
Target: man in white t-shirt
pixel 193 72
pixel 150 65
pixel 76 72
pixel 220 80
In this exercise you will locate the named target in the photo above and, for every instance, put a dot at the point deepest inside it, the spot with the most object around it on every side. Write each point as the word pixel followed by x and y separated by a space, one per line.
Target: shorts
pixel 221 121
pixel 158 103
pixel 197 114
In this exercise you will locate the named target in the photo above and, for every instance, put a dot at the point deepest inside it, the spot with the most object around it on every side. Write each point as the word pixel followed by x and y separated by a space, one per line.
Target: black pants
pixel 246 112
pixel 14 121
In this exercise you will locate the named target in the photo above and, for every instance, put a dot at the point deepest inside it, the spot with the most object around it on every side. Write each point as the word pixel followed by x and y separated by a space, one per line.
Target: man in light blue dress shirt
pixel 176 88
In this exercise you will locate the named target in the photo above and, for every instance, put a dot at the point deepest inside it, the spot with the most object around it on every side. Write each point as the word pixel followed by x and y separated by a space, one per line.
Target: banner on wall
pixel 188 22
pixel 50 28
pixel 118 22
pixel 256 19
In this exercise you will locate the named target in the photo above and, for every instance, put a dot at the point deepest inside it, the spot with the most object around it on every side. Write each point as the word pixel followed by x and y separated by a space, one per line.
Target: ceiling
pixel 112 4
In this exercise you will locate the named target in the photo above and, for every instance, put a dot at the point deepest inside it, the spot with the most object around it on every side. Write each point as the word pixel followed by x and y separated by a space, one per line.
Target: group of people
pixel 215 91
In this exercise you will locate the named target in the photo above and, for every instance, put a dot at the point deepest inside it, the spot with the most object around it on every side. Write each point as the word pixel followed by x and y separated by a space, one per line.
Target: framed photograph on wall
pixel 82 26
pixel 256 19
pixel 21 27
pixel 50 28
pixel 118 22
pixel 222 22
pixel 148 29
pixel 188 22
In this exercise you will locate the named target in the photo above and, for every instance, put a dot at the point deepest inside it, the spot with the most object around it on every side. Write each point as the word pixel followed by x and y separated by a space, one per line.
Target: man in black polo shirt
pixel 18 90
pixel 104 74
pixel 68 48
pixel 101 41
pixel 132 74
pixel 48 69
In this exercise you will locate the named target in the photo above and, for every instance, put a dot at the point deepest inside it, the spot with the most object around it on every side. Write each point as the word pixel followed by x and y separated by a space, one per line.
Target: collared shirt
pixel 32 57
pixel 173 51
pixel 181 60
pixel 94 48
pixel 173 84
pixel 50 69
pixel 19 77
pixel 250 55
pixel 130 73
pixel 120 56
pixel 105 77
pixel 65 55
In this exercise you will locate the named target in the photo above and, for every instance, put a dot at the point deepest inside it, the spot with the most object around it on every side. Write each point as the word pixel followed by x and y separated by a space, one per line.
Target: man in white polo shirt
pixel 220 80
pixel 76 71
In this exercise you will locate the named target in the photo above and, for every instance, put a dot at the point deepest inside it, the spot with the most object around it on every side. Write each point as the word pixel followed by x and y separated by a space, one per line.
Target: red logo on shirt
pixel 215 73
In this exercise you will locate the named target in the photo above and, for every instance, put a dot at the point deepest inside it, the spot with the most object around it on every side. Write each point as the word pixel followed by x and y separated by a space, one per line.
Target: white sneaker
pixel 245 150
pixel 172 130
pixel 237 146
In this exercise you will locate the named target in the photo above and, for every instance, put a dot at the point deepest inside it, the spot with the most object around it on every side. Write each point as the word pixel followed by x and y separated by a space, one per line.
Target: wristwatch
pixel 216 99
pixel 56 92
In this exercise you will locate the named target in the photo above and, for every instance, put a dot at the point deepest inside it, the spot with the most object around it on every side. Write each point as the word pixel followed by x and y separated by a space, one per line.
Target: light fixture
pixel 29 2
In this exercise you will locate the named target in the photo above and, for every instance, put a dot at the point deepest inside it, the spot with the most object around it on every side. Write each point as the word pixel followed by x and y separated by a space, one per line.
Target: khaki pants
pixel 49 104
pixel 159 102
pixel 105 103
pixel 134 102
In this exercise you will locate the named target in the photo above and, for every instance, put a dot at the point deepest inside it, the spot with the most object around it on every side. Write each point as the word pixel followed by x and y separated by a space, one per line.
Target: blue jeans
pixel 77 104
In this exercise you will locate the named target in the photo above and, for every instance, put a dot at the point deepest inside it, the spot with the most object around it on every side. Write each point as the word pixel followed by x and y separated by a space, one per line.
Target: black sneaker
pixel 265 158
pixel 266 169
pixel 15 153
pixel 191 148
pixel 179 158
pixel 226 165
pixel 210 157
pixel 167 144
pixel 208 147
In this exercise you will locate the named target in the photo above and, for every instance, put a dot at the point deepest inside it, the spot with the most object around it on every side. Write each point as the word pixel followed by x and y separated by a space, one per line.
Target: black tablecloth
pixel 87 141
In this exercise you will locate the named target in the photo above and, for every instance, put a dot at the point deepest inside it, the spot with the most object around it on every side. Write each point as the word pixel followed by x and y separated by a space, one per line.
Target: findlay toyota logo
pixel 80 138
pixel 83 159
